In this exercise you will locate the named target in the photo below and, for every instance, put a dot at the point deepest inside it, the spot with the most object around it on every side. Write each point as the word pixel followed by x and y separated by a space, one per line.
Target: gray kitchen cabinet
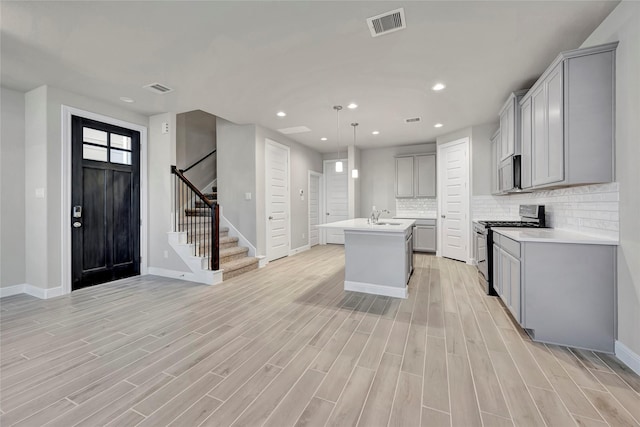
pixel 404 177
pixel 571 108
pixel 424 235
pixel 525 141
pixel 416 176
pixel 560 293
pixel 510 126
pixel 506 273
pixel 495 152
pixel 425 175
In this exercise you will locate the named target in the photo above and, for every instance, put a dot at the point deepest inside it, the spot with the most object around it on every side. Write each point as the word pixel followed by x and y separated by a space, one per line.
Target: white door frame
pixel 441 183
pixel 65 238
pixel 268 192
pixel 320 205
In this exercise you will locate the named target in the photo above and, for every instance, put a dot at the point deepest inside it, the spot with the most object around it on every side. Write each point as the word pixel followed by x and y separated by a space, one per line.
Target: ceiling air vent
pixel 413 120
pixel 157 88
pixel 387 22
pixel 296 129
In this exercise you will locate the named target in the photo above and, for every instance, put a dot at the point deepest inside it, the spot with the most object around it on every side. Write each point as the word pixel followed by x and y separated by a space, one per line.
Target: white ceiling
pixel 245 61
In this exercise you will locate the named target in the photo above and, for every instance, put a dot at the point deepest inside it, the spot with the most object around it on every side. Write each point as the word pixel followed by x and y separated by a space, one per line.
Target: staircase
pixel 234 259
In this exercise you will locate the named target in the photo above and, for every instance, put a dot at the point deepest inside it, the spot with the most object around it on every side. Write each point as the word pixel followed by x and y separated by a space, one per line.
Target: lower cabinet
pixel 560 293
pixel 506 275
pixel 424 236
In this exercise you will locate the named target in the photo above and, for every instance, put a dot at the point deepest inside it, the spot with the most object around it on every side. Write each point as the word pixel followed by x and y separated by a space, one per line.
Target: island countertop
pixel 363 224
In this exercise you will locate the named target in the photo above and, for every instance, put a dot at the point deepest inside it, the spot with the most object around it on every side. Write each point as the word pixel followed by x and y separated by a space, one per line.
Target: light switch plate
pixel 39 193
pixel 247 196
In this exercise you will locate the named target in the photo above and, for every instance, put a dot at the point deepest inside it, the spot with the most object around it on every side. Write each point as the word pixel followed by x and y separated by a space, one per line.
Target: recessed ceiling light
pixel 352 106
pixel 438 125
pixel 126 99
pixel 375 132
pixel 281 114
pixel 323 139
pixel 438 86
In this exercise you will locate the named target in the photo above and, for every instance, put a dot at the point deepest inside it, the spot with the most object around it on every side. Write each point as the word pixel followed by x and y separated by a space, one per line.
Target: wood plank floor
pixel 285 345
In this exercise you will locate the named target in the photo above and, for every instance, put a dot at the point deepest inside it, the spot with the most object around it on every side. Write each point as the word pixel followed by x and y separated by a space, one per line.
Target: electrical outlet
pixel 304 235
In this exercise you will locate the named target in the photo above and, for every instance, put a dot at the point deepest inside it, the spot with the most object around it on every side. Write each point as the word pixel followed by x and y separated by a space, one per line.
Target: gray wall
pixel 195 138
pixel 43 153
pixel 237 176
pixel 623 24
pixel 161 156
pixel 377 175
pixel 12 199
pixel 303 159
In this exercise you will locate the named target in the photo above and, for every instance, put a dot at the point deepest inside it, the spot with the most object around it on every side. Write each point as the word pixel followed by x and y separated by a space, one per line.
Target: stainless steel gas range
pixel 531 216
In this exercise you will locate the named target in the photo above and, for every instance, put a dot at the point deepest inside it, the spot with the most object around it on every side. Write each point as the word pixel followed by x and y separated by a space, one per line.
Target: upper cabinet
pixel 568 121
pixel 416 176
pixel 495 161
pixel 510 126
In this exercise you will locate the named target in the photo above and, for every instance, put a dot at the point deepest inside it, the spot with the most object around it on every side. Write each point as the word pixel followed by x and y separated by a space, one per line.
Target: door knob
pixel 328 213
pixel 77 224
pixel 270 217
pixel 443 216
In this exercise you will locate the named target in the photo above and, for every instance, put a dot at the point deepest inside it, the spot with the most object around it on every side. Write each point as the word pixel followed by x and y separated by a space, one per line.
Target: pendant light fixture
pixel 354 172
pixel 338 162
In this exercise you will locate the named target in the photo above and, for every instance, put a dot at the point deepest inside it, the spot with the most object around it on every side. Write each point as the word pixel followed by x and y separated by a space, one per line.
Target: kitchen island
pixel 378 257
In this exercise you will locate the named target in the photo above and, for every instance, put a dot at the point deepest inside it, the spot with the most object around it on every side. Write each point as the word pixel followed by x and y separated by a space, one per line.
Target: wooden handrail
pixel 199 161
pixel 178 173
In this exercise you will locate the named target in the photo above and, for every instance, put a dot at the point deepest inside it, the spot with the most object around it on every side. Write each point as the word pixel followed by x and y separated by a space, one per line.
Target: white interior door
pixel 277 180
pixel 336 199
pixel 314 208
pixel 453 159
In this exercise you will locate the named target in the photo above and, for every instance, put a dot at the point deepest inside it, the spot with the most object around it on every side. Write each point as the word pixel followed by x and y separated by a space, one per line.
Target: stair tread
pixel 233 251
pixel 238 263
pixel 228 239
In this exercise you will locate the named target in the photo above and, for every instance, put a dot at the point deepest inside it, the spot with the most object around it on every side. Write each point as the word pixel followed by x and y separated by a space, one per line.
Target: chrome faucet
pixel 375 214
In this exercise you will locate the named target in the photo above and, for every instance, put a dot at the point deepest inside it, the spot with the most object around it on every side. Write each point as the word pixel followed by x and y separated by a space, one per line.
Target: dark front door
pixel 105 211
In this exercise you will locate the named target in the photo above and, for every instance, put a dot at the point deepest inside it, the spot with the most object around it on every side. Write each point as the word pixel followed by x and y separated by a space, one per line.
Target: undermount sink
pixel 387 223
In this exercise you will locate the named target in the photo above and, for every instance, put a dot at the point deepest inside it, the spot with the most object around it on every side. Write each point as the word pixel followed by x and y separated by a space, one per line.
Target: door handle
pixel 270 217
pixel 328 213
pixel 443 216
pixel 77 224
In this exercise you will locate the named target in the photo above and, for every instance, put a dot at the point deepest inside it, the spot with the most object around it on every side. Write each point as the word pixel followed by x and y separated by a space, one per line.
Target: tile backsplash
pixel 417 207
pixel 591 209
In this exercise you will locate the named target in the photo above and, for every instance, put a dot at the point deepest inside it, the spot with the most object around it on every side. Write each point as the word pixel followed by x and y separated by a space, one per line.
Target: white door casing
pixel 277 200
pixel 315 179
pixel 453 203
pixel 336 199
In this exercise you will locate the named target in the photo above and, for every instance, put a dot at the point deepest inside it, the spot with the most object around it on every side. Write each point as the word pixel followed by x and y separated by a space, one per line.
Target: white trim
pixel 323 206
pixel 184 275
pixel 34 291
pixel 320 204
pixel 8 291
pixel 268 193
pixel 628 357
pixel 242 241
pixel 441 181
pixel 370 288
pixel 300 249
pixel 262 261
pixel 65 238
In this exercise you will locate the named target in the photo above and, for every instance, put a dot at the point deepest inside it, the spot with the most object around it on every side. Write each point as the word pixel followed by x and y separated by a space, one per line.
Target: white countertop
pixel 361 224
pixel 552 235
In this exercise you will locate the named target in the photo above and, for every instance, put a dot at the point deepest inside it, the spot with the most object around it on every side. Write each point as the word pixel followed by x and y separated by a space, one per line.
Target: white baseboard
pixel 628 357
pixel 370 288
pixel 262 261
pixel 212 277
pixel 300 249
pixel 34 291
pixel 7 291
